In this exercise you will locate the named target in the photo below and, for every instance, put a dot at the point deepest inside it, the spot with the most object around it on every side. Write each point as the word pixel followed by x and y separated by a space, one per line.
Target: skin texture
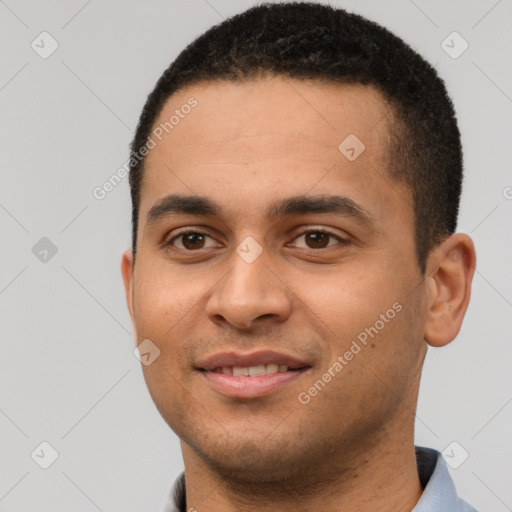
pixel 245 146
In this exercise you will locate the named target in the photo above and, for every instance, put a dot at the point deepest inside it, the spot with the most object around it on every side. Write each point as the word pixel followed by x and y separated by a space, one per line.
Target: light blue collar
pixel 439 494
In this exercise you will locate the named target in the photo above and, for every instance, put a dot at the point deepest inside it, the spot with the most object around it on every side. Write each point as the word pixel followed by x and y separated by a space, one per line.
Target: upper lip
pixel 246 359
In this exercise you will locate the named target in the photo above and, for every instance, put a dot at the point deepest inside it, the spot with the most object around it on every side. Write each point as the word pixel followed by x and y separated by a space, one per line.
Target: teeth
pixel 252 371
pixel 255 371
pixel 273 368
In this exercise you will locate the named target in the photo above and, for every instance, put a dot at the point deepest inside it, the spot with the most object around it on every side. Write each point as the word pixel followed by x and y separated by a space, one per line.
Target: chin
pixel 250 465
pixel 259 460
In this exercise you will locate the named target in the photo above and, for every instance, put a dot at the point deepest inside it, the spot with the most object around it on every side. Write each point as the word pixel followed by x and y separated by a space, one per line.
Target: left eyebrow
pixel 334 204
pixel 287 207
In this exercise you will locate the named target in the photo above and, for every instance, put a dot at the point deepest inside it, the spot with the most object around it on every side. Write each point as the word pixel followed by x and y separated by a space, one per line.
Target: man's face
pixel 256 286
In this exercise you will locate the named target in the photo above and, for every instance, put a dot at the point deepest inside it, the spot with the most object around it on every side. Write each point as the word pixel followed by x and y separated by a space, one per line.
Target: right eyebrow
pixel 180 204
pixel 286 207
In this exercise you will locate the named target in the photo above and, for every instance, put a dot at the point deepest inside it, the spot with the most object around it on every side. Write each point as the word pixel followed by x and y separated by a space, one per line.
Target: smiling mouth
pixel 247 375
pixel 251 382
pixel 255 371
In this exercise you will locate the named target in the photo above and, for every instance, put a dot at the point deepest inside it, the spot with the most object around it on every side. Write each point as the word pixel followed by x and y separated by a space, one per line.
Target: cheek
pixel 350 301
pixel 379 362
pixel 375 325
pixel 391 354
pixel 162 298
pixel 164 309
pixel 169 310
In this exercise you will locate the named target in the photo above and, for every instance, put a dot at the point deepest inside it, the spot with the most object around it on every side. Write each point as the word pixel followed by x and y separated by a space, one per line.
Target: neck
pixel 380 475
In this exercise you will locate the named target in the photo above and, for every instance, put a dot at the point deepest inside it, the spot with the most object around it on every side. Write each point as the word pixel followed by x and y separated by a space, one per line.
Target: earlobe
pixel 451 267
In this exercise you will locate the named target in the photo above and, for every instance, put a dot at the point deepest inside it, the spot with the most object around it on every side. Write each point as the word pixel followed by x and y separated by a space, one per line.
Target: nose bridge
pixel 249 290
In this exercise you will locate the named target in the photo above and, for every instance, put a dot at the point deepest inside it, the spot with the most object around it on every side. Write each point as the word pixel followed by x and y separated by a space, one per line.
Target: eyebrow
pixel 287 207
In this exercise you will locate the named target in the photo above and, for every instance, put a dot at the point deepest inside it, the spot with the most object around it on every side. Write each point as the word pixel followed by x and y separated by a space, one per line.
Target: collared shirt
pixel 439 494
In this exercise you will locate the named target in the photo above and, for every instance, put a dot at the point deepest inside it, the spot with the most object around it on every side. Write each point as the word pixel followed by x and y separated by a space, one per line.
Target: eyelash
pixel 341 241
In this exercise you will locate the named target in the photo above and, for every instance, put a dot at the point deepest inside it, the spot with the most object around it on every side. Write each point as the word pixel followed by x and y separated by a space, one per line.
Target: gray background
pixel 68 375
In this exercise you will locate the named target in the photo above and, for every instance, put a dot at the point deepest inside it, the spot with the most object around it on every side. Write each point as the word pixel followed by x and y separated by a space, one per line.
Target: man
pixel 295 180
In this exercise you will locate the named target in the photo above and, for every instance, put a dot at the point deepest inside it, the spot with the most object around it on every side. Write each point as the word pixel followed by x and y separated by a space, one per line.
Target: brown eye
pixel 318 239
pixel 190 240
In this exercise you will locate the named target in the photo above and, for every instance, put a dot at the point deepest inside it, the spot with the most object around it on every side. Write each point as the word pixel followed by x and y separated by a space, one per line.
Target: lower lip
pixel 249 387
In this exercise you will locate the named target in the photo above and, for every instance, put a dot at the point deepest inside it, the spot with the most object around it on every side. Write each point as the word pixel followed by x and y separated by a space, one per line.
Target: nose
pixel 250 294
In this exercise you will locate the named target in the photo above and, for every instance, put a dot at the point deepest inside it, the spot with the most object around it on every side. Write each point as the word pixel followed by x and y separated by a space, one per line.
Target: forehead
pixel 304 115
pixel 250 143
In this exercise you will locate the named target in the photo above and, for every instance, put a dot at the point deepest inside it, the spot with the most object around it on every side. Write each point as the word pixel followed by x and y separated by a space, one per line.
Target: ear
pixel 127 270
pixel 450 270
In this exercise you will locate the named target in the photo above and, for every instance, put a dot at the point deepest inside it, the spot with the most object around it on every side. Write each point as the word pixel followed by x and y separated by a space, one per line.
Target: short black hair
pixel 305 40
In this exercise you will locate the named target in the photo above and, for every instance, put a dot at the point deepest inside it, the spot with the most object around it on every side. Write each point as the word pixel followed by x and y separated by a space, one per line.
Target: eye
pixel 190 240
pixel 313 239
pixel 319 239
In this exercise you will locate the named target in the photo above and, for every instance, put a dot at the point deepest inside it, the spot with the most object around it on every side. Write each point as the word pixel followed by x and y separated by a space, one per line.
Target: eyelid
pixel 168 242
pixel 301 232
pixel 319 229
